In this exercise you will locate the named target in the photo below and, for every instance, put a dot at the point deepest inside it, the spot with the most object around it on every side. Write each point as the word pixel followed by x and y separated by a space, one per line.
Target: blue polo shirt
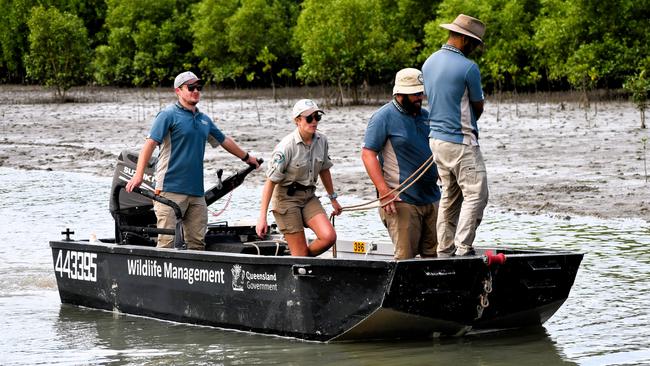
pixel 451 82
pixel 402 144
pixel 182 135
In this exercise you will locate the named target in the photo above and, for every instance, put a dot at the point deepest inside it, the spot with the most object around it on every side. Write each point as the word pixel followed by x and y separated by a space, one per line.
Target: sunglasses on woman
pixel 310 118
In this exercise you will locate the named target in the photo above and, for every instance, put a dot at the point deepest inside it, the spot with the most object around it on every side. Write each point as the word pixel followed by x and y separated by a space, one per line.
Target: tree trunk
pixel 498 101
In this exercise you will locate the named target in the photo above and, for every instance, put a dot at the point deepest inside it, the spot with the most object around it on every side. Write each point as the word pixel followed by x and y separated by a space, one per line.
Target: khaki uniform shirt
pixel 295 161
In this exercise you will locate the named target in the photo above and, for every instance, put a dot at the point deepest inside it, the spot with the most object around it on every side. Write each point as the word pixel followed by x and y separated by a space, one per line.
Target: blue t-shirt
pixel 451 82
pixel 182 135
pixel 402 143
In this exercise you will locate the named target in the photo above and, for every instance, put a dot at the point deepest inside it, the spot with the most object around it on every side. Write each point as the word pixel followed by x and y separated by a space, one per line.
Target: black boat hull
pixel 319 299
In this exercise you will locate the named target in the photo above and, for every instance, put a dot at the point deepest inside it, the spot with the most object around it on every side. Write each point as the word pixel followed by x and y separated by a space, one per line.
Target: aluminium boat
pixel 355 292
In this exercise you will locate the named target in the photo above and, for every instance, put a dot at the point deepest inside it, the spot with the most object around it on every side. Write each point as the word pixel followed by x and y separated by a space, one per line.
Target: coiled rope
pixel 399 189
pixel 406 184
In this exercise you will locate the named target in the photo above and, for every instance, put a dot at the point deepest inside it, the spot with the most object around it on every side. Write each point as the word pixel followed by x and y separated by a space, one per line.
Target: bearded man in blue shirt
pixel 395 146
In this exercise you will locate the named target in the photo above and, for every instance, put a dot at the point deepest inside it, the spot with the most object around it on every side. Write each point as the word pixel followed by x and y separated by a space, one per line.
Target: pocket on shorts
pixel 280 210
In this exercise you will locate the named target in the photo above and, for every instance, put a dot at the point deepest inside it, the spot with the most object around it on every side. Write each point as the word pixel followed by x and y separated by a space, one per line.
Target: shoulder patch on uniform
pixel 278 157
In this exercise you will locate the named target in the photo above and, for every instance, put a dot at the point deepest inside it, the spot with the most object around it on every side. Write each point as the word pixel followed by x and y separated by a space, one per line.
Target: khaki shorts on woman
pixel 292 212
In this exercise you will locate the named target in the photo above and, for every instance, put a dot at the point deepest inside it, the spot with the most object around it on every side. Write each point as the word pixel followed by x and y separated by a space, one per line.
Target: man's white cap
pixel 184 77
pixel 305 107
pixel 408 81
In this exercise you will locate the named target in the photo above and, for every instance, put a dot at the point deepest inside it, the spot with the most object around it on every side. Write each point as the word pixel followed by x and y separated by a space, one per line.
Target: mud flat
pixel 542 158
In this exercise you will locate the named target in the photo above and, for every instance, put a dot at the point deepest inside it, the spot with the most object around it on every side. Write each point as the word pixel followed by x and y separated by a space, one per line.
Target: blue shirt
pixel 402 145
pixel 451 82
pixel 182 135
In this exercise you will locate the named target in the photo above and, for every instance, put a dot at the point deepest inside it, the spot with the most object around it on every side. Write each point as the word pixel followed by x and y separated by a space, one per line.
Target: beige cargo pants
pixel 195 219
pixel 464 195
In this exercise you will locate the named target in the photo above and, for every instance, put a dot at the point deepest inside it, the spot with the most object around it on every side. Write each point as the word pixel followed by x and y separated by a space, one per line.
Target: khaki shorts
pixel 292 212
pixel 412 229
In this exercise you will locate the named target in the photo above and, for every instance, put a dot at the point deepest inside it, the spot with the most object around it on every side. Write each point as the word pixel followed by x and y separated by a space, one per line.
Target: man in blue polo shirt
pixel 395 146
pixel 453 86
pixel 182 131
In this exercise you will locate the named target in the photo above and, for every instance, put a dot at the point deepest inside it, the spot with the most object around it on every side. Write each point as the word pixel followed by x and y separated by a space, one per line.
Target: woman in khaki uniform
pixel 298 160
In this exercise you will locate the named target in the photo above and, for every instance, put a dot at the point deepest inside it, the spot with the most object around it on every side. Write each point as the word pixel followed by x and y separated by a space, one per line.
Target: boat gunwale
pixel 209 256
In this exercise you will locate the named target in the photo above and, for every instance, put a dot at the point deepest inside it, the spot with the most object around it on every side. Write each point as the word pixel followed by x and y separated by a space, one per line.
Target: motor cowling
pixel 125 168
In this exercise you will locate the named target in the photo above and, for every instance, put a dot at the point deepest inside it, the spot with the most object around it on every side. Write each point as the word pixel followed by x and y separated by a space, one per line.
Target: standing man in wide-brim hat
pixel 452 83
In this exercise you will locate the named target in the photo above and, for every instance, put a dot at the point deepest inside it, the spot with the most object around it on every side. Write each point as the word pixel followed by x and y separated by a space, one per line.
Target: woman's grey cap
pixel 305 107
pixel 184 77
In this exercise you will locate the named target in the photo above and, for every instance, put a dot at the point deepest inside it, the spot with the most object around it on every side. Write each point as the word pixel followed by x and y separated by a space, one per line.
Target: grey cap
pixel 305 107
pixel 183 78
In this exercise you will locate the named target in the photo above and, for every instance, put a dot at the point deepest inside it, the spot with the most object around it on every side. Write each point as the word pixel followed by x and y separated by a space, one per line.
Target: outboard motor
pixel 135 220
pixel 127 163
pixel 129 208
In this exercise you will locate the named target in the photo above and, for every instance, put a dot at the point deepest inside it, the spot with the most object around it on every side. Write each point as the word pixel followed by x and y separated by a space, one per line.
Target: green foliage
pixel 638 86
pixel 405 25
pixel 59 51
pixel 591 43
pixel 358 49
pixel 209 31
pixel 92 12
pixel 13 37
pixel 148 42
pixel 529 44
pixel 263 40
pixel 505 57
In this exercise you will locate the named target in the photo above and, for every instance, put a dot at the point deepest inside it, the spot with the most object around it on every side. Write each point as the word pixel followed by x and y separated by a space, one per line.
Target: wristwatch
pixel 332 196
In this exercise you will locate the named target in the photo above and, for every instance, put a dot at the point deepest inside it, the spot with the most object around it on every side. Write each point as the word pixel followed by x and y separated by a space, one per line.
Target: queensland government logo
pixel 256 281
pixel 237 278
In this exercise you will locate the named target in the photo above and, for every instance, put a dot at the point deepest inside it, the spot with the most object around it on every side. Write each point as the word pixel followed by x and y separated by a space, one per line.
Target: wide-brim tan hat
pixel 464 24
pixel 408 81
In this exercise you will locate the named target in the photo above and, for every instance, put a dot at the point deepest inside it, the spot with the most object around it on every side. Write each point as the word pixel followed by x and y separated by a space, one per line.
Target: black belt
pixel 293 187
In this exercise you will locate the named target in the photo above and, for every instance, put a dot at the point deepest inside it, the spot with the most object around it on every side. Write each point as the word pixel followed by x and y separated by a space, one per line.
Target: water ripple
pixel 603 322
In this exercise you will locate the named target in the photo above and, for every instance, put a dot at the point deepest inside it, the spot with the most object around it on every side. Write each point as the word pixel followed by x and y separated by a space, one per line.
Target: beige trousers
pixel 412 229
pixel 195 219
pixel 464 195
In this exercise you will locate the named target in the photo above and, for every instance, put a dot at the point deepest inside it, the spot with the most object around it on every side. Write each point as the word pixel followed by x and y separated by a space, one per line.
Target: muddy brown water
pixel 603 322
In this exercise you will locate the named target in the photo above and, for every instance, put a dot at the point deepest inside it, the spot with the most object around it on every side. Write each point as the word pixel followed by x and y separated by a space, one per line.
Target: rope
pixel 334 255
pixel 224 207
pixel 401 188
pixel 254 245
